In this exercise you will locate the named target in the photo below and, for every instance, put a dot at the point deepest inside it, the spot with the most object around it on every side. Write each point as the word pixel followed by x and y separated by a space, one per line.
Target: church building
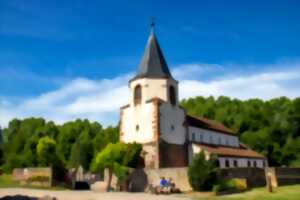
pixel 170 137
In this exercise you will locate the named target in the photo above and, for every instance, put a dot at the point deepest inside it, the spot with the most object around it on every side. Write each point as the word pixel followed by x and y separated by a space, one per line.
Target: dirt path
pixel 88 195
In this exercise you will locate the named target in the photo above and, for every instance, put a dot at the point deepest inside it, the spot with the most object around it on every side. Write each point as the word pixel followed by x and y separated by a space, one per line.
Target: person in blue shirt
pixel 163 182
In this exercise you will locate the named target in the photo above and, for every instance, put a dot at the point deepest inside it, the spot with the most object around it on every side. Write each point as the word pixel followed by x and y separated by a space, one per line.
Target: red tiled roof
pixel 205 123
pixel 230 151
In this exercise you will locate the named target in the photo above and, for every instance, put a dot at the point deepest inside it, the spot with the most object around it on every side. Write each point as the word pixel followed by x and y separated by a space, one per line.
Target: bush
pixel 203 173
pixel 230 186
pixel 38 179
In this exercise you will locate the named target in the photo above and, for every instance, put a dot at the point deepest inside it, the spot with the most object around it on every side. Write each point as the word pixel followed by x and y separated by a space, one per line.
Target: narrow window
pixel 235 163
pixel 249 163
pixel 172 127
pixel 137 94
pixel 172 95
pixel 137 128
pixel 226 163
pixel 193 137
pixel 255 164
pixel 219 141
pixel 201 138
pixel 210 139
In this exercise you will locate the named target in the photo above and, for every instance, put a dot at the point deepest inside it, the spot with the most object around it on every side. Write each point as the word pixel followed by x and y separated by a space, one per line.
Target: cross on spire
pixel 152 23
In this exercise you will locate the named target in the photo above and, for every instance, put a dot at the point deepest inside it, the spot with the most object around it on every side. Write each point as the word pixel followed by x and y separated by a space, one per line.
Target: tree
pixel 202 173
pixel 46 151
pixel 116 158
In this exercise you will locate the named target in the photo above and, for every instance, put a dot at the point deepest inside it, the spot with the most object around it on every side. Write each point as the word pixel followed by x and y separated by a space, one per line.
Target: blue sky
pixel 58 58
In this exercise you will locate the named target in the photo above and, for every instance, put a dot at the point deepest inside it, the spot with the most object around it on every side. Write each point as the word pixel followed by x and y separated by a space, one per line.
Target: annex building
pixel 170 137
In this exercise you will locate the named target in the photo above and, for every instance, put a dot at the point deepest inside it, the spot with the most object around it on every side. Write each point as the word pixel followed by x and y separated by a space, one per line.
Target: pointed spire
pixel 153 64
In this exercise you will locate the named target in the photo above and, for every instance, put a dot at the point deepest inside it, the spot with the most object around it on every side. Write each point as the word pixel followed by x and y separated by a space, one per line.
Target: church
pixel 170 137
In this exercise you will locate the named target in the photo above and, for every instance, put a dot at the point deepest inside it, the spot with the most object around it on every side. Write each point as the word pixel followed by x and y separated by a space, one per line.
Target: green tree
pixel 116 158
pixel 46 151
pixel 202 173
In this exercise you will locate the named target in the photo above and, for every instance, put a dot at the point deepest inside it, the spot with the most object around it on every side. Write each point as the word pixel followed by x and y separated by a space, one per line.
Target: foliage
pixel 68 145
pixel 203 173
pixel 270 127
pixel 7 181
pixel 230 186
pixel 46 151
pixel 38 179
pixel 116 158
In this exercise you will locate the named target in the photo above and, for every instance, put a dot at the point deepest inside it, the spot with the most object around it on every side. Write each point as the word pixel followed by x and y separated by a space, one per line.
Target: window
pixel 137 94
pixel 193 137
pixel 226 163
pixel 249 163
pixel 219 140
pixel 235 163
pixel 201 138
pixel 210 139
pixel 172 95
pixel 255 164
pixel 172 128
pixel 137 127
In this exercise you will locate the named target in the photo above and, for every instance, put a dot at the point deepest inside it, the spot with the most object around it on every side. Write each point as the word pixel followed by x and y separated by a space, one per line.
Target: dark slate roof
pixel 153 63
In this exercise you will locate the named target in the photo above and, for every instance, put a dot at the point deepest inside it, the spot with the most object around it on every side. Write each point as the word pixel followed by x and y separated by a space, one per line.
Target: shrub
pixel 38 179
pixel 230 186
pixel 203 173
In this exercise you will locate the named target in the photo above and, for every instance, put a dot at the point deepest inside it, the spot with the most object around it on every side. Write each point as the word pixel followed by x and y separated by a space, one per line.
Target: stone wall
pixel 255 176
pixel 179 177
pixel 283 175
pixel 25 174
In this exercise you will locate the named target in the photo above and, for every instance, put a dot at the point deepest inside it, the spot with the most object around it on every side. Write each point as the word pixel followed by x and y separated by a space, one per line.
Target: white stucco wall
pixel 172 129
pixel 212 137
pixel 153 88
pixel 141 115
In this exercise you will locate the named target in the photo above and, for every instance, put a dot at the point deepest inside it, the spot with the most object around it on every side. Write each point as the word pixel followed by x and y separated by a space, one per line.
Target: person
pixel 163 182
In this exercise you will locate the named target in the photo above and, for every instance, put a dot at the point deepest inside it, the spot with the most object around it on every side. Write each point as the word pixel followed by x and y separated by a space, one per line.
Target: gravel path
pixel 88 195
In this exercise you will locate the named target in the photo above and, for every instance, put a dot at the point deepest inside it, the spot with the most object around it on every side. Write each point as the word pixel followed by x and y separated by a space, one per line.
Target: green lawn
pixel 6 181
pixel 281 193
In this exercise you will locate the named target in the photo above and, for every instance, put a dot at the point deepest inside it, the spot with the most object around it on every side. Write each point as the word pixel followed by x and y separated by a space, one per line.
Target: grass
pixel 280 193
pixel 6 181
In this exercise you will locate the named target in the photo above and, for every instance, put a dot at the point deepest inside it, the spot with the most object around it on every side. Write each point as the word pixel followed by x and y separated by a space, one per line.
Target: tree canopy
pixel 36 142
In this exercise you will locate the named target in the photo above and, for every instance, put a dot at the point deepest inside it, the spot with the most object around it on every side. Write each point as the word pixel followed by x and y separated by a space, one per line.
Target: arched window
pixel 137 94
pixel 172 95
pixel 226 163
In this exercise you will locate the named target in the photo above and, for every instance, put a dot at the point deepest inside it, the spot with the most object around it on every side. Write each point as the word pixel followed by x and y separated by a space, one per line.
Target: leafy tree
pixel 46 151
pixel 116 158
pixel 202 173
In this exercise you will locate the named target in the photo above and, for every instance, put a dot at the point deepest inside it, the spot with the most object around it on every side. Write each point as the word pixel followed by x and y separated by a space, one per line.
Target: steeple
pixel 153 63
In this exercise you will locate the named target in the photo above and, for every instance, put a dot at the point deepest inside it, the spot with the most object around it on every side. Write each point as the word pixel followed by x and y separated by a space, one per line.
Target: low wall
pixel 283 175
pixel 179 177
pixel 255 176
pixel 25 174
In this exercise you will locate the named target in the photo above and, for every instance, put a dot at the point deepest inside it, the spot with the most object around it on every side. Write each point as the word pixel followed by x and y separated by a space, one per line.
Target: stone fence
pixel 38 176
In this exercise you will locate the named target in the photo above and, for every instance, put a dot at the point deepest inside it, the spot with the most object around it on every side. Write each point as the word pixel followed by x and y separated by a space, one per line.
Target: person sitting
pixel 163 184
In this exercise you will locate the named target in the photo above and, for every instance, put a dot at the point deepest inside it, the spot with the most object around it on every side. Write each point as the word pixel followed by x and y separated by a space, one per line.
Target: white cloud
pixel 99 100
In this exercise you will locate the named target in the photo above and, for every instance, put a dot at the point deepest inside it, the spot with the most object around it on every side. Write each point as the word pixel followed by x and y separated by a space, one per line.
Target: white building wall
pixel 241 162
pixel 172 128
pixel 212 137
pixel 141 116
pixel 153 88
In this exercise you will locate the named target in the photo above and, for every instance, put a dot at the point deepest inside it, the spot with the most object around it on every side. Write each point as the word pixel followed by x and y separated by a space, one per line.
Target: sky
pixel 64 60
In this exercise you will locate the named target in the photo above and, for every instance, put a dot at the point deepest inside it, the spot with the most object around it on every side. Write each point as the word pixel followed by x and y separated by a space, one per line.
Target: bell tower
pixel 153 113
